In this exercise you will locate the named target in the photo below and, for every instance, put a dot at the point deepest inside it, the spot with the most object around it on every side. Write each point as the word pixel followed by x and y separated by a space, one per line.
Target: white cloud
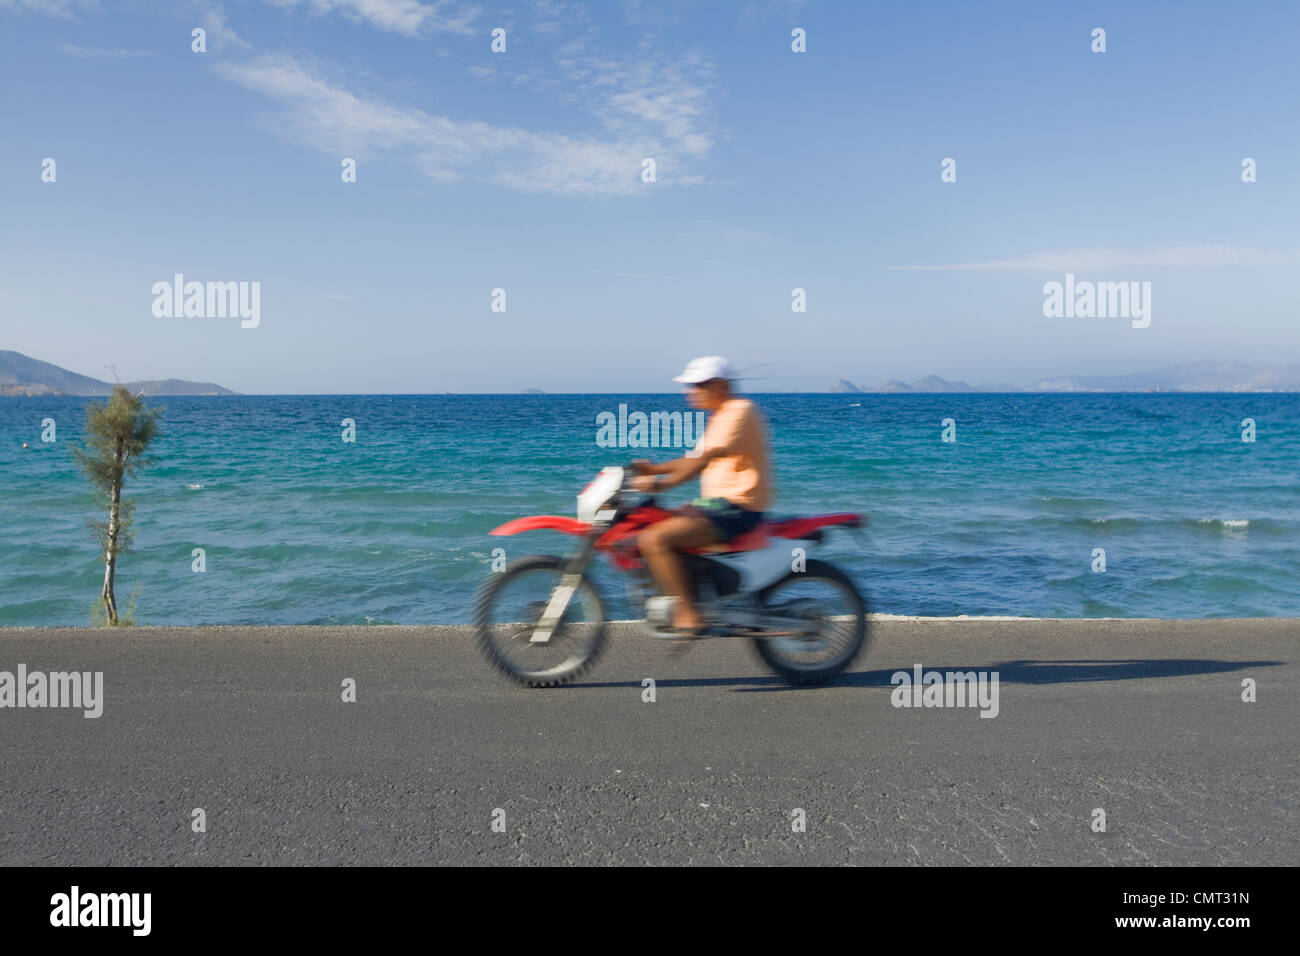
pixel 663 102
pixel 1198 257
pixel 212 17
pixel 407 17
pixel 659 96
pixel 645 123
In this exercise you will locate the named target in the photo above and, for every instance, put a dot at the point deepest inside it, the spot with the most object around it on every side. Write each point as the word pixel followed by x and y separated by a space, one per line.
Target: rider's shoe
pixel 704 630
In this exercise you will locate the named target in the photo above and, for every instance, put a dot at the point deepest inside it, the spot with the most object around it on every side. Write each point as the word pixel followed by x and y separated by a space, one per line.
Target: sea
pixel 259 510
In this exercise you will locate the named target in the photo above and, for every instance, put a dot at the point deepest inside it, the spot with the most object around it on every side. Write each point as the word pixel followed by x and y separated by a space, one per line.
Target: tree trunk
pixel 110 557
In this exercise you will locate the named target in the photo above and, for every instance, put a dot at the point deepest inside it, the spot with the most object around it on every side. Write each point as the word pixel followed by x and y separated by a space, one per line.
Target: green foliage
pixel 118 433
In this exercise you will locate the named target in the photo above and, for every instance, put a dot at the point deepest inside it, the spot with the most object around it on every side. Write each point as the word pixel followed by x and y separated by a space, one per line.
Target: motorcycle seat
pixel 752 540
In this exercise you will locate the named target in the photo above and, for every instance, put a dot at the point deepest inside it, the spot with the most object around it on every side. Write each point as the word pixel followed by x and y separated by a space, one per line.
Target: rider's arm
pixel 721 437
pixel 677 471
pixel 681 470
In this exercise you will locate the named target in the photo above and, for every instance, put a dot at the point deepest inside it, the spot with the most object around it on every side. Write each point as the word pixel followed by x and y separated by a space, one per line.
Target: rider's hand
pixel 642 483
pixel 641 466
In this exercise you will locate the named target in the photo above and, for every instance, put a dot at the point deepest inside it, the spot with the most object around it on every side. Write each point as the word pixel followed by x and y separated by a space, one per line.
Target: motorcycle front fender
pixel 543 523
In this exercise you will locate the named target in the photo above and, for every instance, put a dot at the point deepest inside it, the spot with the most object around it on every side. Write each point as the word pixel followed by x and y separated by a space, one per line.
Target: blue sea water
pixel 300 527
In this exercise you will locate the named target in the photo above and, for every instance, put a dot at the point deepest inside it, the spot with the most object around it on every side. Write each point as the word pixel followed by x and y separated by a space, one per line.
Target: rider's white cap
pixel 704 368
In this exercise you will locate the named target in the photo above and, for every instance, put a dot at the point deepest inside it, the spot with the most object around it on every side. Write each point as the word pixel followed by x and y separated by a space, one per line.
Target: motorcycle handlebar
pixel 629 472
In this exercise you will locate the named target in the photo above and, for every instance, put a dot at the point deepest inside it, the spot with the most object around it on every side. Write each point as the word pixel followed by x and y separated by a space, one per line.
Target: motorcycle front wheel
pixel 509 607
pixel 830 615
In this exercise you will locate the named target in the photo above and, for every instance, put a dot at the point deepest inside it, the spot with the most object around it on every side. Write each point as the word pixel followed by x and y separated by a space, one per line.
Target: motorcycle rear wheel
pixel 838 631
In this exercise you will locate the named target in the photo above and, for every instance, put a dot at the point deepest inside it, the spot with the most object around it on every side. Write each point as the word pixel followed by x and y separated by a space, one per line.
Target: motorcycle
pixel 542 620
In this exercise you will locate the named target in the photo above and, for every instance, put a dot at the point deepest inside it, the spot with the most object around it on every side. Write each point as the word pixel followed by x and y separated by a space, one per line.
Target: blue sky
pixel 521 170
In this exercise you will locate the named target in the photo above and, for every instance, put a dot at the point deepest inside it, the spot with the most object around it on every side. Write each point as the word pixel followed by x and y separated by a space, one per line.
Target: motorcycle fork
pixel 570 577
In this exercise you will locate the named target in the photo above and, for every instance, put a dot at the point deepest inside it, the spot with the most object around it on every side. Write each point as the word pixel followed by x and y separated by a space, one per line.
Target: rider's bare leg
pixel 660 544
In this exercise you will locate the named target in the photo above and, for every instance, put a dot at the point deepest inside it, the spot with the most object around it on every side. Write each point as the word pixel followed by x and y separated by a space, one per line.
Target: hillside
pixel 22 375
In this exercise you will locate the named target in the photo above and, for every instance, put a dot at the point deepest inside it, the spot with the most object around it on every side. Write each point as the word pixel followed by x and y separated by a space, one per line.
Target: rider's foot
pixel 704 630
pixel 685 638
pixel 687 619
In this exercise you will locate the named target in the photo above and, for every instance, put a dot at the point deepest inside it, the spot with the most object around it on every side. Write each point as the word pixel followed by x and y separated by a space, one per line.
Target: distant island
pixel 21 375
pixel 1193 377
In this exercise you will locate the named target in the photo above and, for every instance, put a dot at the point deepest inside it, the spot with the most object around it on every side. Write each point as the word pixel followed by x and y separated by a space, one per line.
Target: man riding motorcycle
pixel 543 620
pixel 731 458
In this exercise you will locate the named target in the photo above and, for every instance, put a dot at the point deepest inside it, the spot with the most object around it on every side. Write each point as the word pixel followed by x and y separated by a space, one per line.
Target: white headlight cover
pixel 597 494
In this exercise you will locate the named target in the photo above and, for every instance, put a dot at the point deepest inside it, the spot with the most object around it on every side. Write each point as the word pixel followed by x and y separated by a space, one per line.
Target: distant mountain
pixel 894 385
pixel 18 369
pixel 21 375
pixel 177 386
pixel 933 383
pixel 1192 377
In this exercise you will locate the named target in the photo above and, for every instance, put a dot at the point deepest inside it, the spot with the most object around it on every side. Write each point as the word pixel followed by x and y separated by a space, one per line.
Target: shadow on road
pixel 1009 672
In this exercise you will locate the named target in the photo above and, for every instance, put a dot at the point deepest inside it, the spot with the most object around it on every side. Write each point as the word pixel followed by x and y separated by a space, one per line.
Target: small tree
pixel 117 434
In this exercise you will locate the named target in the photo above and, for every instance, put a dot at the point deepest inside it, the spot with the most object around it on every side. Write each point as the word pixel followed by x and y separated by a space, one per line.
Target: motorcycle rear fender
pixel 801 527
pixel 543 523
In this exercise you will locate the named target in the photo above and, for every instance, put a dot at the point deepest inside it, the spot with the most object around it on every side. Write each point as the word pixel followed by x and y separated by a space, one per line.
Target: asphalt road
pixel 1141 719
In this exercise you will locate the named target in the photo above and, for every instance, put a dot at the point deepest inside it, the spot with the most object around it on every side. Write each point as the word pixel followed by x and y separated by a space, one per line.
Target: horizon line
pixel 974 391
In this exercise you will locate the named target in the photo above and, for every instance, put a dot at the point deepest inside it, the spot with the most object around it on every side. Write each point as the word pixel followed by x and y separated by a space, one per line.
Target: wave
pixel 1226 524
pixel 1201 526
pixel 1056 501
pixel 1120 523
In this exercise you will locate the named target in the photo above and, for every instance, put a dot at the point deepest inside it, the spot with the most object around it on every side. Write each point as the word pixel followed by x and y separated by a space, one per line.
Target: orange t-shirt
pixel 740 474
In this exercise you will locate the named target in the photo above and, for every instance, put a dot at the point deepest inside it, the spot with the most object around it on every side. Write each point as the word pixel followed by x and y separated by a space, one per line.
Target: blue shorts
pixel 729 520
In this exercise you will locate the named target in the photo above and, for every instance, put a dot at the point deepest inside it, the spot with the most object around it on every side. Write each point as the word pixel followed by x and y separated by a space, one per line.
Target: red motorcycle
pixel 541 620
